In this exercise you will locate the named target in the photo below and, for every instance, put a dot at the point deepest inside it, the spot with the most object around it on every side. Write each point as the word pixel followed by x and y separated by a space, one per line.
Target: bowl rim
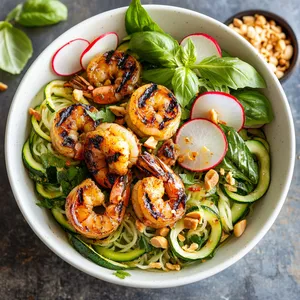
pixel 287 28
pixel 39 231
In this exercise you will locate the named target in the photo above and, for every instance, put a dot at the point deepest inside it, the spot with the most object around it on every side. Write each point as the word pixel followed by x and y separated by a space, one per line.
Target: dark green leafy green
pixel 207 86
pixel 188 178
pixel 240 155
pixel 258 109
pixel 161 76
pixel 185 85
pixel 105 115
pixel 188 53
pixel 229 71
pixel 50 160
pixel 51 203
pixel 185 113
pixel 155 48
pixel 197 239
pixel 42 13
pixel 15 48
pixel 144 243
pixel 121 274
pixel 137 19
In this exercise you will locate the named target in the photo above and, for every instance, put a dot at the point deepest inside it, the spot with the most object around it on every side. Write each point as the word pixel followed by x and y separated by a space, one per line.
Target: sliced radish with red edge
pixel 202 145
pixel 205 45
pixel 228 108
pixel 103 43
pixel 66 60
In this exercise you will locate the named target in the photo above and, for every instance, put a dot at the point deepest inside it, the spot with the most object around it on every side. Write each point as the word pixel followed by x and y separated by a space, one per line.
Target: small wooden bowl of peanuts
pixel 272 36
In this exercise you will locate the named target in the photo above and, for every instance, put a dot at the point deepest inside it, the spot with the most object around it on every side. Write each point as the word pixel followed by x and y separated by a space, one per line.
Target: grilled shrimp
pixel 82 200
pixel 114 74
pixel 168 152
pixel 153 111
pixel 109 151
pixel 148 195
pixel 68 128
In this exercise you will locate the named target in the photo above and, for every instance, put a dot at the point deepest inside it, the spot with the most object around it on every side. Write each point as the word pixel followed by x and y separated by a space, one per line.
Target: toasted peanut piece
pixel 118 111
pixel 159 242
pixel 190 223
pixel 173 267
pixel 155 265
pixel 260 20
pixel 288 52
pixel 281 45
pixel 181 237
pixel 192 248
pixel 229 178
pixel 230 188
pixel 231 26
pixel 224 237
pixel 35 114
pixel 211 179
pixel 140 226
pixel 272 67
pixel 151 143
pixel 3 87
pixel 194 215
pixel 163 231
pixel 248 20
pixel 239 228
pixel 244 29
pixel 222 171
pixel 213 116
pixel 237 22
pixel 251 32
pixel 273 60
pixel 279 74
pixel 282 61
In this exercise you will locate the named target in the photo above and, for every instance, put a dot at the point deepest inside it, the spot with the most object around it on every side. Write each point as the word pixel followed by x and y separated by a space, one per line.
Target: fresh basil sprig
pixel 161 76
pixel 188 54
pixel 258 109
pixel 137 19
pixel 105 115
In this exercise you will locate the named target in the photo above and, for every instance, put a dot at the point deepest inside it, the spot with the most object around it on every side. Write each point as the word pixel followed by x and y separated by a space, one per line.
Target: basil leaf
pixel 42 13
pixel 155 47
pixel 137 19
pixel 258 109
pixel 14 13
pixel 15 48
pixel 105 115
pixel 185 113
pixel 185 85
pixel 207 86
pixel 51 203
pixel 188 178
pixel 188 53
pixel 161 76
pixel 229 71
pixel 240 155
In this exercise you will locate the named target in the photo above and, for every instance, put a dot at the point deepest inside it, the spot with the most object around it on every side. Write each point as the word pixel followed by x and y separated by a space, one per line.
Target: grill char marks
pixel 113 158
pixel 122 60
pixel 96 141
pixel 126 77
pixel 108 55
pixel 149 92
pixel 63 115
pixel 150 207
pixel 173 103
pixel 80 196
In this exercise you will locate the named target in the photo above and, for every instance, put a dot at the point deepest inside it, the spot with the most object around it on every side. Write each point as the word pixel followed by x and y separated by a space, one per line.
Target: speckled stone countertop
pixel 29 270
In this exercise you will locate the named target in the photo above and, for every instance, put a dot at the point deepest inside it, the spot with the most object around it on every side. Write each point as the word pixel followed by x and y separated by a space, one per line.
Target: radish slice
pixel 205 45
pixel 102 44
pixel 202 145
pixel 228 108
pixel 65 61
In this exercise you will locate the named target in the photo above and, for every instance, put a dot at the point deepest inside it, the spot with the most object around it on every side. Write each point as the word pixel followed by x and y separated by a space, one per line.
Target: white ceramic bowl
pixel 178 22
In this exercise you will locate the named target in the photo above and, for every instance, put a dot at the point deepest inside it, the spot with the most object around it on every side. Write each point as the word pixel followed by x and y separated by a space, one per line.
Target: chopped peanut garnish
pixel 194 215
pixel 155 265
pixel 188 139
pixel 190 223
pixel 140 226
pixel 222 171
pixel 118 110
pixel 151 143
pixel 239 228
pixel 230 188
pixel 35 114
pixel 192 248
pixel 213 116
pixel 192 155
pixel 181 238
pixel 159 242
pixel 211 179
pixel 224 237
pixel 163 231
pixel 229 178
pixel 173 267
pixel 3 87
pixel 180 158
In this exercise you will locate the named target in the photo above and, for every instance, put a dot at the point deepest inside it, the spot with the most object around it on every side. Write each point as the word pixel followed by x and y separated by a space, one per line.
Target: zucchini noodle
pixel 224 211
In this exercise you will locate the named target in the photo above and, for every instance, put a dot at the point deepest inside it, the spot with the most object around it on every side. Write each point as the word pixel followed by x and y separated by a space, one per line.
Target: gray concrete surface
pixel 29 270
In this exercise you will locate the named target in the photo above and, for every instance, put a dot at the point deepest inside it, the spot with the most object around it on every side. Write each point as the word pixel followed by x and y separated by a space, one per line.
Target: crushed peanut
pixel 213 116
pixel 140 226
pixel 173 267
pixel 163 231
pixel 118 111
pixel 229 178
pixel 239 228
pixel 3 87
pixel 194 215
pixel 224 237
pixel 192 155
pixel 230 188
pixel 151 143
pixel 155 265
pixel 222 171
pixel 211 179
pixel 190 223
pixel 192 248
pixel 269 40
pixel 35 113
pixel 188 139
pixel 181 238
pixel 159 242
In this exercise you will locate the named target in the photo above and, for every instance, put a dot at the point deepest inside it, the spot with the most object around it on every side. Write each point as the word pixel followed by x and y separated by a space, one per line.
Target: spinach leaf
pixel 105 115
pixel 229 71
pixel 137 19
pixel 155 48
pixel 207 86
pixel 188 53
pixel 15 48
pixel 50 160
pixel 258 109
pixel 185 85
pixel 51 203
pixel 161 76
pixel 240 155
pixel 42 13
